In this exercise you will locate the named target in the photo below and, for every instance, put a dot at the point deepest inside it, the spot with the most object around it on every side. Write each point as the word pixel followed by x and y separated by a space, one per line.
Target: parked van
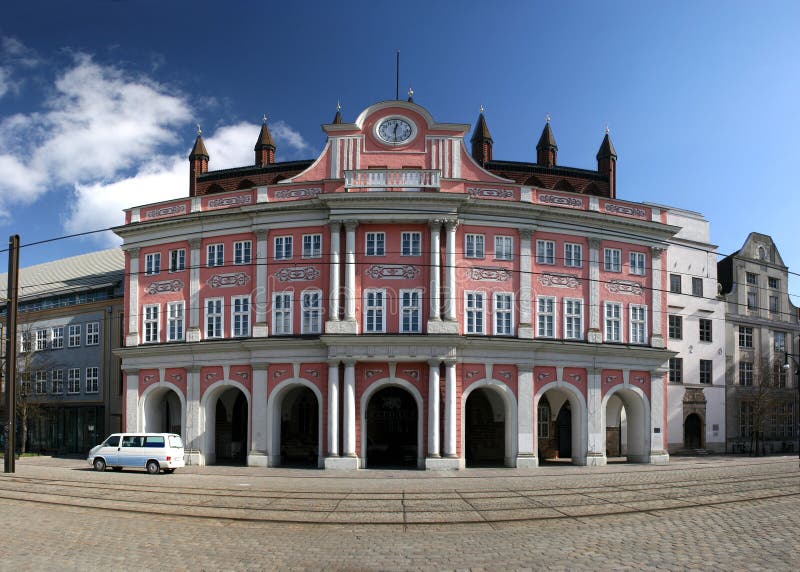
pixel 153 452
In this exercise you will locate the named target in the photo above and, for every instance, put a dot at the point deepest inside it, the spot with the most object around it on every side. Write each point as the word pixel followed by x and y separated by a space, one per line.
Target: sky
pixel 100 99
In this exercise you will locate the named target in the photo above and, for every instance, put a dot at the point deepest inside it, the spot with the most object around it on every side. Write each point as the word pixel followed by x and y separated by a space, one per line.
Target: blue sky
pixel 99 99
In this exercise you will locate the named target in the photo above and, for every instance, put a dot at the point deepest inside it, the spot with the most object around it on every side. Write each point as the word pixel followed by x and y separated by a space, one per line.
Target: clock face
pixel 395 130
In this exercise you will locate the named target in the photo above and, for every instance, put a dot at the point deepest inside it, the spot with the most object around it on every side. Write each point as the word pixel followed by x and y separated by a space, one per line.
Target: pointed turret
pixel 410 95
pixel 546 148
pixel 198 161
pixel 607 163
pixel 265 146
pixel 337 119
pixel 481 141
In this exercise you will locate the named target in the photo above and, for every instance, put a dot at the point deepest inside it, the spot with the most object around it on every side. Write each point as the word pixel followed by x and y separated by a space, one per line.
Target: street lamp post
pixel 797 385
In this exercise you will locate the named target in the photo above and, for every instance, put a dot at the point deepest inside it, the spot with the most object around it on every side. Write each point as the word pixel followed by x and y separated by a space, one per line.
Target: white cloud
pixel 5 81
pixel 231 146
pixel 283 134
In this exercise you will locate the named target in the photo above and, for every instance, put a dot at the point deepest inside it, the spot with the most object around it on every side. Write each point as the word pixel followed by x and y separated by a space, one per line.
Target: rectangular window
pixel 214 318
pixel 174 321
pixel 545 316
pixel 773 283
pixel 312 312
pixel 752 300
pixel 25 342
pixel 745 337
pixel 697 287
pixel 774 307
pixel 240 316
pixel 74 380
pixel 779 375
pixel 152 263
pixel 242 252
pixel 177 260
pixel 503 314
pixel 746 416
pixel 573 255
pixel 312 245
pixel 706 334
pixel 676 370
pixel 282 314
pixel 612 260
pixel 473 246
pixel 638 324
pixel 545 252
pixel 780 341
pixel 58 381
pixel 675 283
pixel 215 255
pixel 283 247
pixel 746 373
pixel 613 321
pixel 57 342
pixel 638 263
pixel 374 311
pixel 40 385
pixel 706 366
pixel 752 279
pixel 503 248
pixel 410 244
pixel 473 313
pixel 573 319
pixel 93 333
pixel 376 244
pixel 675 329
pixel 543 421
pixel 41 340
pixel 92 380
pixel 410 312
pixel 150 323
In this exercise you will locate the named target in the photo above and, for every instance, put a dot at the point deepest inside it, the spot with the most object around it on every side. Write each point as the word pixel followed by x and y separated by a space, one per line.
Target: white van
pixel 153 452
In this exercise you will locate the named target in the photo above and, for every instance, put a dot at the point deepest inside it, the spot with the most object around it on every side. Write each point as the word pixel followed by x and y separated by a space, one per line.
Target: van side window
pixel 175 441
pixel 154 442
pixel 132 441
pixel 112 441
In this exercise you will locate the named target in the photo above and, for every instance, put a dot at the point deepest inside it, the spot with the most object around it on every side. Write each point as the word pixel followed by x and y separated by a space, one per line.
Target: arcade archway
pixel 163 411
pixel 627 421
pixel 392 438
pixel 299 428
pixel 485 420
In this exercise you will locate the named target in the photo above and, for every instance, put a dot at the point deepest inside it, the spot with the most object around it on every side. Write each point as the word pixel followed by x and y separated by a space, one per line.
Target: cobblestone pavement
pixel 721 513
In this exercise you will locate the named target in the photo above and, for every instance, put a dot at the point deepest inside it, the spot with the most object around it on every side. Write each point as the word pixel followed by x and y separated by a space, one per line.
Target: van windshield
pixel 112 441
pixel 175 441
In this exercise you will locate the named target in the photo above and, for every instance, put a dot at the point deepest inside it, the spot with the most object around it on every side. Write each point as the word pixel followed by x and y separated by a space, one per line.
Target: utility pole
pixel 11 353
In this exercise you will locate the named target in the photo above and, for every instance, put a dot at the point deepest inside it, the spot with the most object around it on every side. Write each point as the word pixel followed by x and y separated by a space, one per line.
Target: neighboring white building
pixel 696 330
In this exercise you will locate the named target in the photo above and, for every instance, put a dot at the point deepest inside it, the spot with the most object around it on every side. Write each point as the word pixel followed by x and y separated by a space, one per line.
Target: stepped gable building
pixel 400 300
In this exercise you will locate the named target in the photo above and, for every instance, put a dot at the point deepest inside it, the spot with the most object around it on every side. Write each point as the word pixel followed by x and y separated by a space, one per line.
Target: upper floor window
pixel 150 323
pixel 613 321
pixel 774 306
pixel 745 337
pixel 706 368
pixel 214 319
pixel 410 311
pixel 240 316
pixel 638 263
pixel 92 333
pixel 676 370
pixel 57 376
pixel 473 313
pixel 612 260
pixel 503 314
pixel 752 300
pixel 74 339
pixel 410 244
pixel 282 313
pixel 376 244
pixel 312 245
pixel 177 260
pixel 215 255
pixel 73 380
pixel 311 312
pixel 675 283
pixel 374 311
pixel 92 379
pixel 780 341
pixel 283 247
pixel 41 382
pixel 706 334
pixel 573 319
pixel 503 248
pixel 746 373
pixel 573 255
pixel 474 246
pixel 242 252
pixel 174 321
pixel 773 283
pixel 41 340
pixel 545 316
pixel 545 252
pixel 697 287
pixel 752 279
pixel 57 341
pixel 638 324
pixel 675 329
pixel 152 263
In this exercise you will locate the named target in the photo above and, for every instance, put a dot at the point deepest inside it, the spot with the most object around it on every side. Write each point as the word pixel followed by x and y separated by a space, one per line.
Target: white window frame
pixel 573 255
pixel 152 264
pixel 612 260
pixel 217 313
pixel 506 310
pixel 242 252
pixel 609 321
pixel 372 311
pixel 637 263
pixel 545 252
pixel 40 382
pixel 41 340
pixel 240 317
pixel 282 317
pixel 92 379
pixel 411 308
pixel 474 313
pixel 311 315
pixel 503 247
pixel 474 245
pixel 542 421
pixel 57 381
pixel 57 338
pixel 93 333
pixel 151 323
pixel 545 317
pixel 175 321
pixel 215 255
pixel 375 244
pixel 177 260
pixel 411 243
pixel 635 324
pixel 282 247
pixel 312 245
pixel 73 380
pixel 572 319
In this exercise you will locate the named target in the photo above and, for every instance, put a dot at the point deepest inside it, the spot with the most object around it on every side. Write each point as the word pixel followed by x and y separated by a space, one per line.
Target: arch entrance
pixel 485 428
pixel 230 427
pixel 693 432
pixel 163 412
pixel 299 439
pixel 627 425
pixel 561 425
pixel 392 429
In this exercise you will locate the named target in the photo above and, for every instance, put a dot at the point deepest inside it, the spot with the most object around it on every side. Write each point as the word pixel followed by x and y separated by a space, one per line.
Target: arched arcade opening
pixel 627 421
pixel 226 426
pixel 163 411
pixel 299 428
pixel 392 433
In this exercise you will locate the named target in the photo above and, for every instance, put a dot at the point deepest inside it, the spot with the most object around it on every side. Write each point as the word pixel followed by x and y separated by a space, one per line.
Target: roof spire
pixel 338 117
pixel 546 148
pixel 265 146
pixel 547 118
pixel 481 140
pixel 410 94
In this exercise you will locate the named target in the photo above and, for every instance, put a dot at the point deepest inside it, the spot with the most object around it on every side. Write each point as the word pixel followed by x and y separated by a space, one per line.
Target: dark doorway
pixel 299 428
pixel 485 431
pixel 392 429
pixel 230 429
pixel 693 432
pixel 564 431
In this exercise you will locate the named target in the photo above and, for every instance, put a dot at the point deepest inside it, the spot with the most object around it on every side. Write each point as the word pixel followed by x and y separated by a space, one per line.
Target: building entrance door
pixel 564 428
pixel 485 430
pixel 692 432
pixel 299 428
pixel 392 429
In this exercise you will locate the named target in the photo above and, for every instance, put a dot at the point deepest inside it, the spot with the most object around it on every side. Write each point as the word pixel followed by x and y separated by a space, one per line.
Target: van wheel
pixel 99 465
pixel 152 467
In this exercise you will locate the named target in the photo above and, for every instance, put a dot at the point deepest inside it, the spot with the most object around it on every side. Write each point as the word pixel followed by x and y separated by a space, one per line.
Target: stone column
pixel 194 452
pixel 351 325
pixel 526 454
pixel 594 335
pixel 433 408
pixel 257 456
pixel 260 328
pixel 596 455
pixel 656 339
pixel 132 338
pixel 436 255
pixel 132 400
pixel 450 305
pixel 349 413
pixel 658 453
pixel 450 409
pixel 336 229
pixel 333 408
pixel 525 269
pixel 193 333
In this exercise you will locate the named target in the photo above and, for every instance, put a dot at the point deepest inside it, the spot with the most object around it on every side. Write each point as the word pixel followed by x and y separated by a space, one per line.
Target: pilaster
pixel 658 453
pixel 348 460
pixel 435 282
pixel 193 333
pixel 526 454
pixel 257 455
pixel 132 337
pixel 132 400
pixel 596 454
pixel 657 339
pixel 525 324
pixel 260 328
pixel 194 430
pixel 594 335
pixel 335 271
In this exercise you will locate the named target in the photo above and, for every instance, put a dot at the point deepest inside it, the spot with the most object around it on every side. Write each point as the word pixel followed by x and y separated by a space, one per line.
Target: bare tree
pixel 30 384
pixel 763 398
